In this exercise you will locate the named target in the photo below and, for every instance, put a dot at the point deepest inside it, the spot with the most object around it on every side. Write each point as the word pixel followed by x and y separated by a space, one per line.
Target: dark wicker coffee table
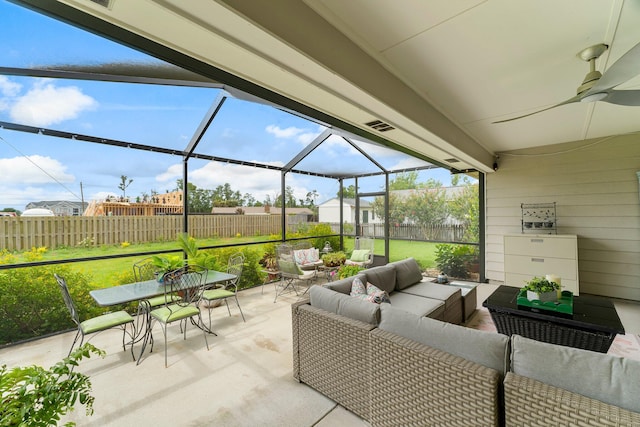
pixel 593 326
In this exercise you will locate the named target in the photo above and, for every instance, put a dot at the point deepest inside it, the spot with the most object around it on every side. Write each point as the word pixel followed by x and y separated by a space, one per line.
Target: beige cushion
pixel 407 273
pixel 609 379
pixel 485 348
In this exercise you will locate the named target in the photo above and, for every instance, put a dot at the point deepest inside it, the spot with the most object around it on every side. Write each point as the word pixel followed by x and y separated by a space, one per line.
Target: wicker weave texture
pixel 531 403
pixel 415 385
pixel 295 331
pixel 334 358
pixel 551 332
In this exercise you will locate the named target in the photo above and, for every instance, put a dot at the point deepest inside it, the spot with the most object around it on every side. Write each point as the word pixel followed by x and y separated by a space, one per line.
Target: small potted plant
pixel 165 264
pixel 541 289
pixel 334 259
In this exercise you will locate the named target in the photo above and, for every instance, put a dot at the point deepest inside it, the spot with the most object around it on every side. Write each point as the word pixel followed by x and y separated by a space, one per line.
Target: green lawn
pixel 109 272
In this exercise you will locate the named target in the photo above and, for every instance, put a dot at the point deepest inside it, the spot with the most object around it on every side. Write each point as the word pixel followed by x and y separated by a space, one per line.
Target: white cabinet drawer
pixel 541 245
pixel 529 255
pixel 540 266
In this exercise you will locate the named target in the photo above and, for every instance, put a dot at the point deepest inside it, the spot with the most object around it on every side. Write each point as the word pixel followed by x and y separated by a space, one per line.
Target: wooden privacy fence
pixel 23 233
pixel 434 233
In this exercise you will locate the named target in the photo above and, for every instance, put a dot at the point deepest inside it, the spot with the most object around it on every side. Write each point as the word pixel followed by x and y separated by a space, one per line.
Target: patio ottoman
pixel 451 297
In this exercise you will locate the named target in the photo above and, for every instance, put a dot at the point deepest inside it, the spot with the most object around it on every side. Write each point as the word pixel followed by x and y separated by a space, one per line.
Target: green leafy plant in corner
pixel 35 396
pixel 453 259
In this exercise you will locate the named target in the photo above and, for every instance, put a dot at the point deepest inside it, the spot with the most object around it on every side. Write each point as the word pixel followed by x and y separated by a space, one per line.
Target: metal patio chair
pixel 188 282
pixel 119 319
pixel 229 289
pixel 362 254
pixel 290 272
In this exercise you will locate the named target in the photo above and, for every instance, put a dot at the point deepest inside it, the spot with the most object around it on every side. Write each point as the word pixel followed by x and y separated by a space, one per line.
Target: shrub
pixel 453 259
pixel 348 271
pixel 31 303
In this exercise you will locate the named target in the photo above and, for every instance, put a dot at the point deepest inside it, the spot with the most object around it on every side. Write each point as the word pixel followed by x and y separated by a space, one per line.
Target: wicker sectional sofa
pixel 393 367
pixel 408 290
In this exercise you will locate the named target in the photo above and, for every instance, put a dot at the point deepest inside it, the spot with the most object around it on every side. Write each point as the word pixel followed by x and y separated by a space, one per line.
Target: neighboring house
pixel 329 211
pixel 60 207
pixel 157 204
pixel 302 214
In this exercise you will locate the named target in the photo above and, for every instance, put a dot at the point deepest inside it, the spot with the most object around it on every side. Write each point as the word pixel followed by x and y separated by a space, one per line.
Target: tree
pixel 124 184
pixel 465 208
pixel 224 195
pixel 348 192
pixel 199 200
pixel 397 211
pixel 404 181
pixel 427 207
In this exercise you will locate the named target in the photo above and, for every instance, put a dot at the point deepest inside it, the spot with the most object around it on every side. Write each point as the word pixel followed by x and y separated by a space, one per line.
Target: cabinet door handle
pixel 537 259
pixel 537 240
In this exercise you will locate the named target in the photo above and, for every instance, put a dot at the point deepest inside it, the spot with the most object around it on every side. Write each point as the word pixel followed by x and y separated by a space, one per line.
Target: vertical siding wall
pixel 595 186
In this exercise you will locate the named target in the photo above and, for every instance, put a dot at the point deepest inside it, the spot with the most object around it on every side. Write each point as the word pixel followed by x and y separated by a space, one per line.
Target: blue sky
pixel 37 167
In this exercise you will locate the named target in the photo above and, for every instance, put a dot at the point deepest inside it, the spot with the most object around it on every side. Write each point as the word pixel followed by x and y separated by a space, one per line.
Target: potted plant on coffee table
pixel 541 289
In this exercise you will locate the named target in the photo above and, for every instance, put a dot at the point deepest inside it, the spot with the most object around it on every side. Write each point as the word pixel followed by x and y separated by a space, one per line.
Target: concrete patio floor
pixel 244 380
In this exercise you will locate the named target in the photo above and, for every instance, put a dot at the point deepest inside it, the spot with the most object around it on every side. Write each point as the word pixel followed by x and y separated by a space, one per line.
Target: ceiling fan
pixel 600 87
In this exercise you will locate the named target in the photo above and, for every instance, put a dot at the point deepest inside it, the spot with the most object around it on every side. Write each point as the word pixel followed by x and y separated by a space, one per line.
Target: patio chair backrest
pixel 364 243
pixel 303 244
pixel 284 251
pixel 185 281
pixel 68 301
pixel 235 266
pixel 144 270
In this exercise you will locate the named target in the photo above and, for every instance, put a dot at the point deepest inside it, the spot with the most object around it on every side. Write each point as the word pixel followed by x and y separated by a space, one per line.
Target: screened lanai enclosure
pixel 105 123
pixel 132 145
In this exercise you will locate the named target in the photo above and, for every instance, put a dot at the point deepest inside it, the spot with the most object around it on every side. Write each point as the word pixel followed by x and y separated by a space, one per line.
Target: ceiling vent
pixel 103 3
pixel 380 126
pixel 452 160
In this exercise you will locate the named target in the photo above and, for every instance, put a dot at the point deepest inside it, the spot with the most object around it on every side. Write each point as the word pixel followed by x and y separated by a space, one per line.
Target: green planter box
pixel 564 304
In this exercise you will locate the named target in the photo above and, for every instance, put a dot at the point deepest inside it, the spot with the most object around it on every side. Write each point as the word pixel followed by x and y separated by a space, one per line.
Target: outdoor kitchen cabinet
pixel 529 255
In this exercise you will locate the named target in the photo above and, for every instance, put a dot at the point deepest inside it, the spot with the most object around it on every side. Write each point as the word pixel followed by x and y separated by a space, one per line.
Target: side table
pixel 327 272
pixel 269 280
pixel 469 298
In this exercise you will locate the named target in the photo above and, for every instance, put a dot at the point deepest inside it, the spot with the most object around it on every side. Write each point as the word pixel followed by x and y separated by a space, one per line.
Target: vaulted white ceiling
pixel 439 72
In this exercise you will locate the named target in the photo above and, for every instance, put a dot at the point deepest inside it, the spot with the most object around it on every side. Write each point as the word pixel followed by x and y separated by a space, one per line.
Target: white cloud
pixel 9 88
pixel 31 170
pixel 289 132
pixel 256 181
pixel 408 163
pixel 172 173
pixel 302 136
pixel 45 104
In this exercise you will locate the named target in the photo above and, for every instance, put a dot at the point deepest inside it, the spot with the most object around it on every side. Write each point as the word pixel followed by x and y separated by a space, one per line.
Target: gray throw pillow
pixel 484 348
pixel 384 277
pixel 407 273
pixel 609 379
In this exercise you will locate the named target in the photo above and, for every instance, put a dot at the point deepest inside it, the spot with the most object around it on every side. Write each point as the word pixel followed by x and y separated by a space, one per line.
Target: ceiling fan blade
pixel 568 101
pixel 624 69
pixel 623 97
